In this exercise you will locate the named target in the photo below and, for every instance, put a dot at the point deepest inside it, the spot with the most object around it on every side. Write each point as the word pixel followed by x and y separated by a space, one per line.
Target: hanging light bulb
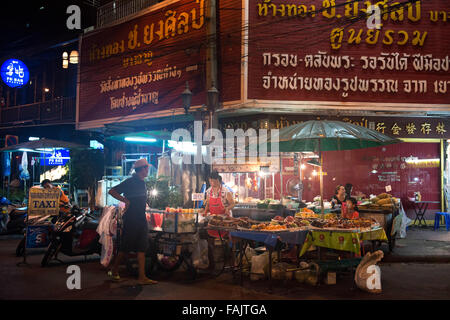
pixel 73 57
pixel 65 57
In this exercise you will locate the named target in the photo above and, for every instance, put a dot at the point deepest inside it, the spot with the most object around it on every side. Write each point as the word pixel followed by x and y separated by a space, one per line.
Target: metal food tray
pixel 219 228
pixel 262 231
pixel 356 230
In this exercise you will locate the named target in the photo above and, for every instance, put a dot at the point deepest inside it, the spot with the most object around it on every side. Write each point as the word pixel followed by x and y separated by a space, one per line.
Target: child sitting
pixel 349 210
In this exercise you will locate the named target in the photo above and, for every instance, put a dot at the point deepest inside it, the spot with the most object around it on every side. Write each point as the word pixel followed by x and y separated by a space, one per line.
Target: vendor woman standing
pixel 219 201
pixel 135 228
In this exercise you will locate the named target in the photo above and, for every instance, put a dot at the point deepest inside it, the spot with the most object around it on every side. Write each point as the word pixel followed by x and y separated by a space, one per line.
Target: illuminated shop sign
pixel 15 73
pixel 57 158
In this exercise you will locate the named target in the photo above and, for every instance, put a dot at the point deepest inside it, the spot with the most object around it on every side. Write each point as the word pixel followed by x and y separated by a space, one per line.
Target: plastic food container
pixel 180 222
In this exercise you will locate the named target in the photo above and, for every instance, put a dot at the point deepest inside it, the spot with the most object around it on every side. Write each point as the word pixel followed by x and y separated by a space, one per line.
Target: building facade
pixel 281 62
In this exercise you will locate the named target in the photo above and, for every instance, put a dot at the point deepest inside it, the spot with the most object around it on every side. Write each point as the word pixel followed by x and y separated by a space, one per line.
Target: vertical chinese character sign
pixel 14 73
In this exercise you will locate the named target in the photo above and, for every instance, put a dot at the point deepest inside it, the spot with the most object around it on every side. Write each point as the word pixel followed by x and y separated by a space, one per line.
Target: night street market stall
pixel 301 230
pixel 32 213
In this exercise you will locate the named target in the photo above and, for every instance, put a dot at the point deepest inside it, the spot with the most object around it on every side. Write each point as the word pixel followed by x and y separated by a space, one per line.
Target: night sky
pixel 32 25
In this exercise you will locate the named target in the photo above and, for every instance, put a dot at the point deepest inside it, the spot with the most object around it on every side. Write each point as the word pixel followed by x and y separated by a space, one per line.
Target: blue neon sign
pixel 57 158
pixel 14 73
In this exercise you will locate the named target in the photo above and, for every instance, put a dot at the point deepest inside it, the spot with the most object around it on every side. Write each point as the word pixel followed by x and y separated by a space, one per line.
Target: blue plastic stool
pixel 437 219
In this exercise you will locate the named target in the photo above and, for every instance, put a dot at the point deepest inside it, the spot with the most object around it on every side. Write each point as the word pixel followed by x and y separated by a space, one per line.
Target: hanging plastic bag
pixel 405 222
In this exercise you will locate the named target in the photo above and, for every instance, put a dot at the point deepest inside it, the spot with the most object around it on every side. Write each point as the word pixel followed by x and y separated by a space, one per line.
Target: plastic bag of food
pixel 200 254
pixel 249 254
pixel 258 265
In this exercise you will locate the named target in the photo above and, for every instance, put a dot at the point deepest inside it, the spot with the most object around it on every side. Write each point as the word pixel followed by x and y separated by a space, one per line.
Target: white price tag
pixel 198 196
pixel 388 188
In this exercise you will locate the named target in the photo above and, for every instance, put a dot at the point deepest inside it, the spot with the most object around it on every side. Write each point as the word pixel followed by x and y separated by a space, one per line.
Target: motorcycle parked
pixel 17 224
pixel 74 234
pixel 17 220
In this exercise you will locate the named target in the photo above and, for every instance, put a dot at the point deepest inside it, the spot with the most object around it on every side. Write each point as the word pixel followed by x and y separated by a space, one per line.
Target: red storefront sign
pixel 141 66
pixel 324 51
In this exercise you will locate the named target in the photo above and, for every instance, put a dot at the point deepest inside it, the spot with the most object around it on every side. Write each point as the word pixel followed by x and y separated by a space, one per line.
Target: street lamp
pixel 187 97
pixel 213 98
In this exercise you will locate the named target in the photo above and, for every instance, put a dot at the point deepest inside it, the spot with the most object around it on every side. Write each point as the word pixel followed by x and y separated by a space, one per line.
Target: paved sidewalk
pixel 421 245
pixel 399 281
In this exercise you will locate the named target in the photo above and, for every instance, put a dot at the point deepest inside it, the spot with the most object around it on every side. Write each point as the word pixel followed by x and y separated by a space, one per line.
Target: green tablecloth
pixel 345 241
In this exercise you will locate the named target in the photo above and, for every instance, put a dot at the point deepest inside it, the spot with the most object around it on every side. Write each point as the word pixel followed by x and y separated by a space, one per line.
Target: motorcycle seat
pixel 91 225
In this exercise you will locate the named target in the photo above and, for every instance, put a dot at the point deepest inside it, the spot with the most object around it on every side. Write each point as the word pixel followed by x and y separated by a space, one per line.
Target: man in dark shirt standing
pixel 135 228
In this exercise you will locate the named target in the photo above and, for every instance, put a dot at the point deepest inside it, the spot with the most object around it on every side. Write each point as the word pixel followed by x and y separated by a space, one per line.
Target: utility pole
pixel 211 56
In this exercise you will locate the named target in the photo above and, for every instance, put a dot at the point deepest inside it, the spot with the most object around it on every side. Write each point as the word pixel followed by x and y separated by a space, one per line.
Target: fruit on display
pixel 181 210
pixel 289 219
pixel 268 227
pixel 330 216
pixel 272 227
pixel 307 214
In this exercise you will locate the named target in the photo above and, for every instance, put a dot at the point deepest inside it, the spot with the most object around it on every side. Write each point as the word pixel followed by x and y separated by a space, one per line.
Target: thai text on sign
pixel 404 60
pixel 43 201
pixel 142 65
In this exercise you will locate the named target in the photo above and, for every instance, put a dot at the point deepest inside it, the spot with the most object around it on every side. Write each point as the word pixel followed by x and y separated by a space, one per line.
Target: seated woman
pixel 349 210
pixel 339 196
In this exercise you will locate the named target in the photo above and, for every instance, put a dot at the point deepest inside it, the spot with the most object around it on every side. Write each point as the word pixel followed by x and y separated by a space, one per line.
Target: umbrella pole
pixel 281 178
pixel 321 182
pixel 10 172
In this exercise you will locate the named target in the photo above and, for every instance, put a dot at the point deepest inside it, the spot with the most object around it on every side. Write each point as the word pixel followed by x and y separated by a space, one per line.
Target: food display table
pixel 303 231
pixel 341 240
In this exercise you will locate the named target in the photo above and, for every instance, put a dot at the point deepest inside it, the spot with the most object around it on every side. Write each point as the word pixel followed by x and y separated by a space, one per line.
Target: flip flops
pixel 147 281
pixel 115 278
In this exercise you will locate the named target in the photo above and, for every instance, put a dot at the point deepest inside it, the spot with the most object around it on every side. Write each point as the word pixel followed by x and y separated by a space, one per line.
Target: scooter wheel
pixel 20 248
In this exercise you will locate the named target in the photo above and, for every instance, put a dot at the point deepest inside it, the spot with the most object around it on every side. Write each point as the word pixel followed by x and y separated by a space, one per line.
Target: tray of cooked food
pixel 229 223
pixel 345 225
pixel 279 224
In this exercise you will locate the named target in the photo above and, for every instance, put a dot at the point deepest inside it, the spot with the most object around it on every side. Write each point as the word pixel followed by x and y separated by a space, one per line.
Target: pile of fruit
pixel 279 223
pixel 268 227
pixel 306 213
pixel 180 210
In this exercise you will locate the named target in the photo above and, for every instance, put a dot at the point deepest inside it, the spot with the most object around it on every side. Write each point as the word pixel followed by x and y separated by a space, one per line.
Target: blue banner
pixel 38 236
